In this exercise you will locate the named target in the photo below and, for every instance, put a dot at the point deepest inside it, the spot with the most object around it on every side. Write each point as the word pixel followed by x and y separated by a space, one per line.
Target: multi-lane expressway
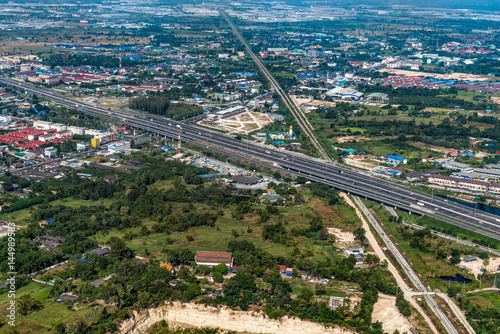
pixel 359 183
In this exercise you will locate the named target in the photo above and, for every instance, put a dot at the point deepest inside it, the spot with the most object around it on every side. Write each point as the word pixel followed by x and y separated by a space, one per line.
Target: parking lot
pixel 219 166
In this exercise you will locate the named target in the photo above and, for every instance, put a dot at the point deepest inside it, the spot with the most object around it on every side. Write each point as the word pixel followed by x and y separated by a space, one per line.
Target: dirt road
pixel 408 293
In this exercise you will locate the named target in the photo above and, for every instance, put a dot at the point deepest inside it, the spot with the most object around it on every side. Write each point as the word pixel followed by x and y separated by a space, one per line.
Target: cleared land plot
pixel 386 311
pixel 452 76
pixel 243 123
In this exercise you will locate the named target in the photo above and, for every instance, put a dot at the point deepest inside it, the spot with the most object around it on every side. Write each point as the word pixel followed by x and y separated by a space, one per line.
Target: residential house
pixel 63 298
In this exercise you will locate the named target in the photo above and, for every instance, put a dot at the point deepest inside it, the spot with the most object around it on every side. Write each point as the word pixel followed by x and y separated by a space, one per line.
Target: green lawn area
pixel 353 129
pixel 468 96
pixel 380 147
pixel 249 229
pixel 21 215
pixel 489 299
pixel 42 321
pixel 333 288
pixel 449 229
pixel 425 263
pixel 435 118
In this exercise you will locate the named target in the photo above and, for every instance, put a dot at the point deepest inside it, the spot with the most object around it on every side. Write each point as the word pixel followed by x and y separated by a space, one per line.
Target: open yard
pixel 243 123
pixel 43 320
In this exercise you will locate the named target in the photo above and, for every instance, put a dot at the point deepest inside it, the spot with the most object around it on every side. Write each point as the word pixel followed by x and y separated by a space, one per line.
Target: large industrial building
pixel 226 113
pixel 344 93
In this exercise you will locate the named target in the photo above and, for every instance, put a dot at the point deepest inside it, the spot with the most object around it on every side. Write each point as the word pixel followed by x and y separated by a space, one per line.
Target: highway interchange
pixel 359 183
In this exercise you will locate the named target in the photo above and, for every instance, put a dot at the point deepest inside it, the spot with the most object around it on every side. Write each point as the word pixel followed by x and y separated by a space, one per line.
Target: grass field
pixel 380 147
pixel 42 321
pixel 250 229
pixel 452 230
pixel 333 288
pixel 488 299
pixel 20 216
pixel 40 40
pixel 425 263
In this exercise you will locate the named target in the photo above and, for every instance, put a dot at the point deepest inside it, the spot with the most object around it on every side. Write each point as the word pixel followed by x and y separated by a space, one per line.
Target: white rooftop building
pixel 344 93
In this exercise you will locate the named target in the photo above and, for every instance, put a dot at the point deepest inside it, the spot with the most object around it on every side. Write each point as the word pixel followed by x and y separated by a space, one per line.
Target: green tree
pixel 27 304
pixel 221 268
pixel 119 249
pixel 218 277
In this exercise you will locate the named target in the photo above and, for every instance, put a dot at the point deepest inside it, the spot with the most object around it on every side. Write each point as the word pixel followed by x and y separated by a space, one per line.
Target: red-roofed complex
pixel 213 258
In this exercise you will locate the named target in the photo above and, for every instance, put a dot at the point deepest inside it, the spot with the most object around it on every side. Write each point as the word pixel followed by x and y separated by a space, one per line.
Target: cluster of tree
pixel 160 105
pixel 324 191
pixel 445 134
pixel 133 201
pixel 27 304
pixel 425 241
pixel 315 229
pixel 69 59
pixel 484 319
pixel 277 233
pixel 136 284
pixel 403 305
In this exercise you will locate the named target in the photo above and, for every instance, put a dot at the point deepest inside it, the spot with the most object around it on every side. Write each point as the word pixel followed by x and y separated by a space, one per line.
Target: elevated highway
pixel 358 183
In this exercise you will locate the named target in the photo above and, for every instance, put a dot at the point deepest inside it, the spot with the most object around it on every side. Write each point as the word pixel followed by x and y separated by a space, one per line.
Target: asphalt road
pixel 357 182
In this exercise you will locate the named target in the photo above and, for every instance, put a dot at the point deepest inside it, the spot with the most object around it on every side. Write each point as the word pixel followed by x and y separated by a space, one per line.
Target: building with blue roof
pixel 394 159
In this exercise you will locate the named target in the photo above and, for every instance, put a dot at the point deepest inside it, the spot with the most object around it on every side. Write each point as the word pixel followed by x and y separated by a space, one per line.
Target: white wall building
pixel 119 146
pixel 42 125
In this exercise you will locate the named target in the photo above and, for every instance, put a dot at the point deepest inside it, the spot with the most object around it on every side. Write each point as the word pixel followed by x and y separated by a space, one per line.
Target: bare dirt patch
pixel 360 164
pixel 451 76
pixel 351 138
pixel 476 267
pixel 342 238
pixel 243 123
pixel 439 149
pixel 386 311
pixel 327 212
pixel 319 103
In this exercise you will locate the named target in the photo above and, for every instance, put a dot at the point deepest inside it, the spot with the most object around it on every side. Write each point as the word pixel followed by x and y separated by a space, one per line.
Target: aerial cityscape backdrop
pixel 204 167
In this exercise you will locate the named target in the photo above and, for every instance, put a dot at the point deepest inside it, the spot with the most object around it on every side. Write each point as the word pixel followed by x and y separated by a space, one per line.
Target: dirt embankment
pixel 197 315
